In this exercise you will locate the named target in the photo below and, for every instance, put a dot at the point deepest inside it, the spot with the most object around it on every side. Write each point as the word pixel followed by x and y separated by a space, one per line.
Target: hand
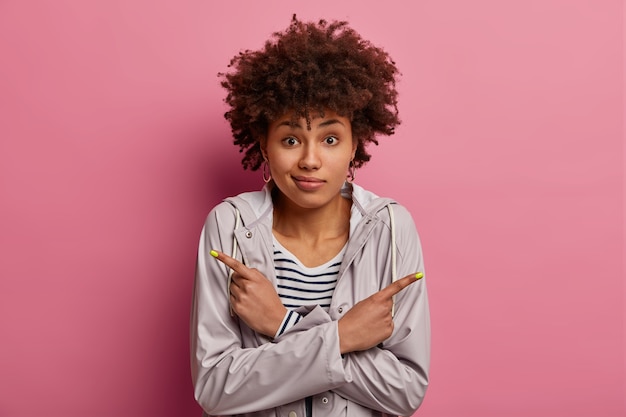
pixel 253 298
pixel 370 321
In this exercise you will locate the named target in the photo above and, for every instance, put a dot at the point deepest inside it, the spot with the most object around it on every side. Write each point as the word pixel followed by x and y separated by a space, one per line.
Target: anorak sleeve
pixel 393 377
pixel 232 375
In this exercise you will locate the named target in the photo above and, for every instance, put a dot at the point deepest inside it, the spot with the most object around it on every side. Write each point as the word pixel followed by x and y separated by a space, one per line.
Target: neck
pixel 327 222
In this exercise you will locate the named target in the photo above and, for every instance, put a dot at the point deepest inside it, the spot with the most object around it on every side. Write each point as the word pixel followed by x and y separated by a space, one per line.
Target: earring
pixel 267 175
pixel 351 172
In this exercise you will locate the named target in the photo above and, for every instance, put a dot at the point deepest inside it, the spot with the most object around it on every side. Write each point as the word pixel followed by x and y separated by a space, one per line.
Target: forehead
pixel 316 119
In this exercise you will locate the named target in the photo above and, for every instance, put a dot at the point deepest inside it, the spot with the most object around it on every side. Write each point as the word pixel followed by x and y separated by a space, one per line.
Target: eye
pixel 331 140
pixel 290 141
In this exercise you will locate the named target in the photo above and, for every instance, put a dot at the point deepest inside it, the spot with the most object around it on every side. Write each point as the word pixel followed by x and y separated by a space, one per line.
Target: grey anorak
pixel 239 372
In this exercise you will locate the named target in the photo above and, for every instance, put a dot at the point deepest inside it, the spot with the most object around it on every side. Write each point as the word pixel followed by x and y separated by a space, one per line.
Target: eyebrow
pixel 297 125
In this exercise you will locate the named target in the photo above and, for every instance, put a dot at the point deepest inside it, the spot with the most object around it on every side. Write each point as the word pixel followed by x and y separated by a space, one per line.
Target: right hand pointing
pixel 253 297
pixel 370 321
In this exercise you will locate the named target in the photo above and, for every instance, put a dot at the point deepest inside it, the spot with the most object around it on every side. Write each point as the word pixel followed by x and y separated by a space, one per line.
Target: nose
pixel 310 158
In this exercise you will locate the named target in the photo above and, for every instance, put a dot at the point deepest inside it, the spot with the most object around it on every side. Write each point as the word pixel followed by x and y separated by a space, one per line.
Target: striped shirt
pixel 299 285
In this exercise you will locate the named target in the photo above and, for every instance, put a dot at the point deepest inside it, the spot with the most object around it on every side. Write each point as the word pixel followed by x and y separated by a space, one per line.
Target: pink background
pixel 113 149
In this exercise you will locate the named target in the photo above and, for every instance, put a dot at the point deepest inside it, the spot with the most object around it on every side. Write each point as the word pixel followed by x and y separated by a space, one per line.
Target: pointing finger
pixel 232 263
pixel 397 286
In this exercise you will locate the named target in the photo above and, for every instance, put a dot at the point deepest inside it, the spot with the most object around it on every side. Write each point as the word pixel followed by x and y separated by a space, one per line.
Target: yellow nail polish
pixel 214 254
pixel 419 275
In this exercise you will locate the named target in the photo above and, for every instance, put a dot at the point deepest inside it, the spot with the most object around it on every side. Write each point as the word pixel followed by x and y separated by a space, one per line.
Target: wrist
pixel 275 322
pixel 344 345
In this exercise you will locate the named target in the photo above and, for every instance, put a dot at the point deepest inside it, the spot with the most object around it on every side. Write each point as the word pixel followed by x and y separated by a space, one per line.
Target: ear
pixel 263 147
pixel 355 144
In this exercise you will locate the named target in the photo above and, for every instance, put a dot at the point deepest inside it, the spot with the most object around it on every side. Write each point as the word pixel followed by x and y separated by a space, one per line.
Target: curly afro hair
pixel 307 69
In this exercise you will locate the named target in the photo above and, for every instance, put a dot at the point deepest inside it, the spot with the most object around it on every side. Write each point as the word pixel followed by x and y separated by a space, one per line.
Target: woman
pixel 297 307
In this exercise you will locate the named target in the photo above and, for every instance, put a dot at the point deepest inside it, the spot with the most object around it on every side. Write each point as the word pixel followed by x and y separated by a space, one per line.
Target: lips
pixel 308 183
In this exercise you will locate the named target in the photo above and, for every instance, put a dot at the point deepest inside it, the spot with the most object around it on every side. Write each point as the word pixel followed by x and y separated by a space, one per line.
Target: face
pixel 309 167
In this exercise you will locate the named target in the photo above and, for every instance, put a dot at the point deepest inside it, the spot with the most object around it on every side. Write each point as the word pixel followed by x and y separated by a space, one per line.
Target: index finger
pixel 232 263
pixel 397 286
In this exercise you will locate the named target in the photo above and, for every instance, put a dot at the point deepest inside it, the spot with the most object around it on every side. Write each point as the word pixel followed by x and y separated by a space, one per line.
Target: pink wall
pixel 113 149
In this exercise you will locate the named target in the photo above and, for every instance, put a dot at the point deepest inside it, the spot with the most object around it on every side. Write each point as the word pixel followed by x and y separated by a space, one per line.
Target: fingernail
pixel 214 254
pixel 419 275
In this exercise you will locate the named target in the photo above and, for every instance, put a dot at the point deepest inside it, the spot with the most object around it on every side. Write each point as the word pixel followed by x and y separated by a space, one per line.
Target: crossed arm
pixel 390 378
pixel 254 300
